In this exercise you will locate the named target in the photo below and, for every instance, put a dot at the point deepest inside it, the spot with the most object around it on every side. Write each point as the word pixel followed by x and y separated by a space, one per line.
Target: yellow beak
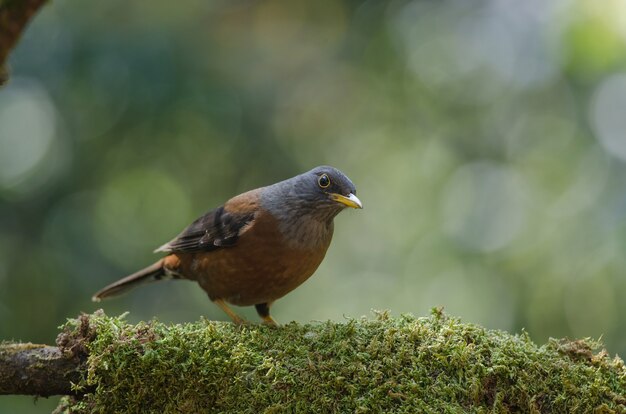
pixel 351 200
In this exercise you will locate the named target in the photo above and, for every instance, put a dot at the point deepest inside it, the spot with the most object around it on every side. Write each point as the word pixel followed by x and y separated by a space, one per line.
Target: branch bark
pixel 14 16
pixel 31 369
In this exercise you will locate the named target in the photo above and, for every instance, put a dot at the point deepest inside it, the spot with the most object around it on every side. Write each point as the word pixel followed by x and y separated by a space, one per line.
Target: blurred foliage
pixel 486 139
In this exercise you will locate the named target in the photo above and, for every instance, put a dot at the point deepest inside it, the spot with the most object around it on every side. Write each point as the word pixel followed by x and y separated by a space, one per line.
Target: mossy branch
pixel 14 16
pixel 406 364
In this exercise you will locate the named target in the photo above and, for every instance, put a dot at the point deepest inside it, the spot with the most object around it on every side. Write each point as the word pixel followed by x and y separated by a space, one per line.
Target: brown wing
pixel 217 228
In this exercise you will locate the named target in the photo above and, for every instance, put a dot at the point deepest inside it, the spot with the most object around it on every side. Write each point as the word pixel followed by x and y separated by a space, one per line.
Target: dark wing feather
pixel 217 228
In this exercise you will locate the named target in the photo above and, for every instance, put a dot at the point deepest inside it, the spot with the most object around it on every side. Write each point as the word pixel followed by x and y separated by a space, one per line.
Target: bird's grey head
pixel 321 192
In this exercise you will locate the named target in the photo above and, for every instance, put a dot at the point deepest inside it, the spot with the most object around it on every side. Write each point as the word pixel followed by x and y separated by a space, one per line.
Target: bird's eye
pixel 323 181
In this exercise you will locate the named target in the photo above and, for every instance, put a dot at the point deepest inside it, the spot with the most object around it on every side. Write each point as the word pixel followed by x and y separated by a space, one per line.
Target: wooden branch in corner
pixel 14 16
pixel 31 369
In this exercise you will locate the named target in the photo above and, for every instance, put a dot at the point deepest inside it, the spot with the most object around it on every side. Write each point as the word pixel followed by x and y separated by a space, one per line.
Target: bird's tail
pixel 152 273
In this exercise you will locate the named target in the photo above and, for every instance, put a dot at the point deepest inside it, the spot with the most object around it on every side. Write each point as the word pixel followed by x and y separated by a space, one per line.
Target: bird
pixel 257 247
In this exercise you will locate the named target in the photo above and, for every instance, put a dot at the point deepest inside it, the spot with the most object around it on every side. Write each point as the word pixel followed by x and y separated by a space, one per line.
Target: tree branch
pixel 30 369
pixel 14 16
pixel 434 364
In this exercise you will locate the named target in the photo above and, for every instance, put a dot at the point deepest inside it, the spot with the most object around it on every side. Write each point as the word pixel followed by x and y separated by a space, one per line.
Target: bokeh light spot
pixel 608 115
pixel 27 130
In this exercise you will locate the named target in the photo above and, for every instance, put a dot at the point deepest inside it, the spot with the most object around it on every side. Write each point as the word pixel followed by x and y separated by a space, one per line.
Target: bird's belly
pixel 260 268
pixel 244 277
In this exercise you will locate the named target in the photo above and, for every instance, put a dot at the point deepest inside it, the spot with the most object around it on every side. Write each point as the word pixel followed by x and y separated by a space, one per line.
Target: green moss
pixel 407 365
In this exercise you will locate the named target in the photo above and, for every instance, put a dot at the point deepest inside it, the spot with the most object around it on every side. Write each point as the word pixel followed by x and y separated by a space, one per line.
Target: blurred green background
pixel 487 140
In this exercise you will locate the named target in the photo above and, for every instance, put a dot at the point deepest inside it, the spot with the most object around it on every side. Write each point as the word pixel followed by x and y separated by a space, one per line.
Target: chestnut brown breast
pixel 260 268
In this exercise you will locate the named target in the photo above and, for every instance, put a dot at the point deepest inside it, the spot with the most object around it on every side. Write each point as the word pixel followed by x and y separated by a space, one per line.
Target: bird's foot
pixel 237 320
pixel 269 321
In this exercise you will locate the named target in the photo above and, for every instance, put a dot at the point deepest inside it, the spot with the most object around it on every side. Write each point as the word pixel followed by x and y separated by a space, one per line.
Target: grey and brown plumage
pixel 258 246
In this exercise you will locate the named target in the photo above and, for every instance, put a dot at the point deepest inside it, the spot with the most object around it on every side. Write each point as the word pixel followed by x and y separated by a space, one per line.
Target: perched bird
pixel 258 246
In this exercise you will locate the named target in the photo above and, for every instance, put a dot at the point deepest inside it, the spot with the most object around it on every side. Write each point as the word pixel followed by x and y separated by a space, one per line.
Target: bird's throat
pixel 307 232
